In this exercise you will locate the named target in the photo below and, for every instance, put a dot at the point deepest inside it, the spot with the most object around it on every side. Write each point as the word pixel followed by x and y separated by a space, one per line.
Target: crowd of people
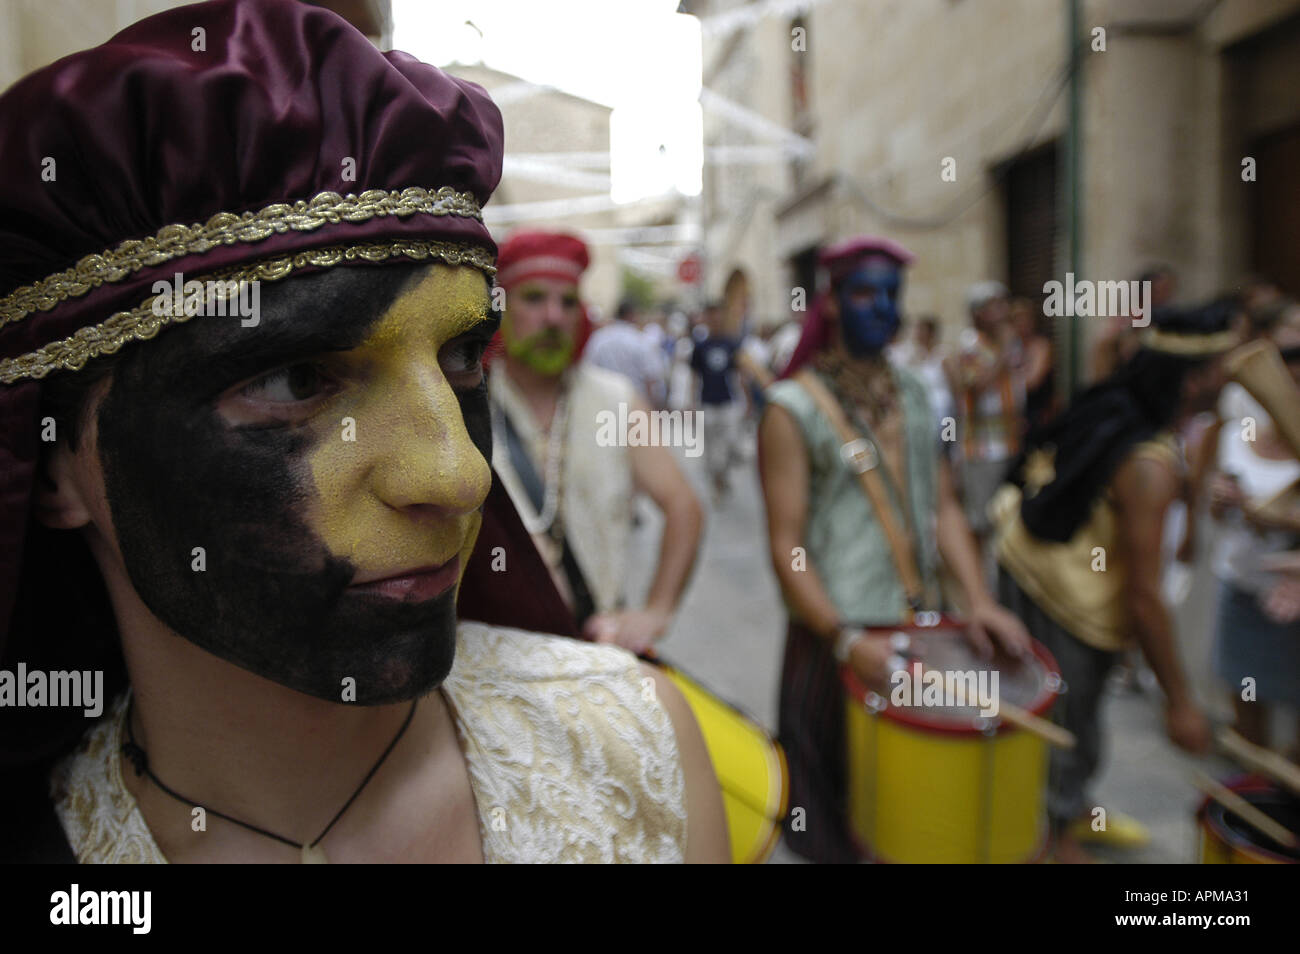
pixel 1011 490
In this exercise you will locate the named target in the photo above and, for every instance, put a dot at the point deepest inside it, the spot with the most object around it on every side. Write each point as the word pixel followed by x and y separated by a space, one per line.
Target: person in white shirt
pixel 1252 641
pixel 922 355
pixel 623 347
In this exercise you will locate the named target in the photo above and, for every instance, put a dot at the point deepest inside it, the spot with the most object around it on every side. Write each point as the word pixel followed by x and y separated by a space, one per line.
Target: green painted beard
pixel 547 352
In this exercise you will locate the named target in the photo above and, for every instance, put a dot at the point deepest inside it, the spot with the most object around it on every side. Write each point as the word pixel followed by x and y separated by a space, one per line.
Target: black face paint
pixel 178 475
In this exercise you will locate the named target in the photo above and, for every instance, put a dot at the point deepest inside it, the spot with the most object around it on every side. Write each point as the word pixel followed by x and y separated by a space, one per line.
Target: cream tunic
pixel 570 760
pixel 596 508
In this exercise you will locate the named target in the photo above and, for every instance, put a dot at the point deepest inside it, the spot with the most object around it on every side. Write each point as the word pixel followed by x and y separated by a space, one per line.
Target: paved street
pixel 730 630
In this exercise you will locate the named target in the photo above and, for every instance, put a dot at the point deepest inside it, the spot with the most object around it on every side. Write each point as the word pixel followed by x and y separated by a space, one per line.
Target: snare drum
pixel 945 784
pixel 1227 840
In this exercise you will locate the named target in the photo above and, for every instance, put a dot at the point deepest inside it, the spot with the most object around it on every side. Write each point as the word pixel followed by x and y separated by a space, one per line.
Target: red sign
pixel 688 270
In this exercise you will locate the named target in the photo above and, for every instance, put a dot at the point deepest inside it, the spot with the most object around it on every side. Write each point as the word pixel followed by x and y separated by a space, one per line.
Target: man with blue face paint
pixel 830 544
pixel 868 305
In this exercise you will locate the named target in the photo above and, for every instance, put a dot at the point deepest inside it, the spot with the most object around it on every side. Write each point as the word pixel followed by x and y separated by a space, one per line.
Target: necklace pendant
pixel 314 855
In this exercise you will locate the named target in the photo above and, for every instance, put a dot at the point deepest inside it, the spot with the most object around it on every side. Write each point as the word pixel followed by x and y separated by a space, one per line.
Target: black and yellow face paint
pixel 331 462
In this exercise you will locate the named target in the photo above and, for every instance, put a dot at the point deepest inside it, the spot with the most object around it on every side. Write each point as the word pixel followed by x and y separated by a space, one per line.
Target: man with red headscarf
pixel 255 520
pixel 571 475
pixel 834 550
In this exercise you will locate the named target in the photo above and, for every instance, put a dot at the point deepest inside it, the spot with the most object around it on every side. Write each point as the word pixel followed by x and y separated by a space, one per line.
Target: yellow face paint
pixel 400 482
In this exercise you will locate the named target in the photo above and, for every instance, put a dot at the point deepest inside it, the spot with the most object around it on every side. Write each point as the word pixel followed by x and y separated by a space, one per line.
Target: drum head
pixel 1030 684
pixel 1278 805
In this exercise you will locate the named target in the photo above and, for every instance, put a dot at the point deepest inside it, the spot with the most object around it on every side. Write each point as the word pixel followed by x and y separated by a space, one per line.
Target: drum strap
pixel 863 458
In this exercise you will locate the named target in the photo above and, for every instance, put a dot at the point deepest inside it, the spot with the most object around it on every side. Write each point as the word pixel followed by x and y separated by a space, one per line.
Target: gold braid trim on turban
pixel 141 322
pixel 227 228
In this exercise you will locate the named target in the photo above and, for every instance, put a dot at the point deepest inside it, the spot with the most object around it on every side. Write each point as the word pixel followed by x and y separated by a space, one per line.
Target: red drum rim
pixel 1042 702
pixel 1243 785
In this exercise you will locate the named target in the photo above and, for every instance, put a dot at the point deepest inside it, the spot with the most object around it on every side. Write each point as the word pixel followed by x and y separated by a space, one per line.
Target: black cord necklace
pixel 312 853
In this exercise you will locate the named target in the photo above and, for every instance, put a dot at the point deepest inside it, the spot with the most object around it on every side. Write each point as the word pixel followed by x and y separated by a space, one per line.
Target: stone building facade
pixel 946 124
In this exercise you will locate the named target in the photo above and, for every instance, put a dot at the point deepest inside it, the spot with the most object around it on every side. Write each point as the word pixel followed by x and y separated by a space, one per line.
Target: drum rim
pixel 1242 785
pixel 1041 704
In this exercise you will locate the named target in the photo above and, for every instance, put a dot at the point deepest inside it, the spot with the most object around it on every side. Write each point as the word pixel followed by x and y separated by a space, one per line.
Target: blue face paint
pixel 868 300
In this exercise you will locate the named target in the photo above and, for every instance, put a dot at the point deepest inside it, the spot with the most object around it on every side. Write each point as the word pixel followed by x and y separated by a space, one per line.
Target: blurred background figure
pixel 1117 340
pixel 1253 640
pixel 722 398
pixel 1262 312
pixel 677 347
pixel 1034 361
pixel 989 397
pixel 921 353
pixel 624 347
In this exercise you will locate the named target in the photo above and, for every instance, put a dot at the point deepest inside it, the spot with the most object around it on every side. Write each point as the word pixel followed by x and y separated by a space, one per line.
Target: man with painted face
pixel 572 485
pixel 829 544
pixel 258 525
pixel 867 300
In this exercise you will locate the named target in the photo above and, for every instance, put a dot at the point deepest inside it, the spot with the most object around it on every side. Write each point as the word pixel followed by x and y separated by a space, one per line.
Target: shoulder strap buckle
pixel 860 455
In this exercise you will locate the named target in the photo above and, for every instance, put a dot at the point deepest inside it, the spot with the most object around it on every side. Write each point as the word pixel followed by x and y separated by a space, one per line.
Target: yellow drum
pixel 1226 840
pixel 945 784
pixel 750 768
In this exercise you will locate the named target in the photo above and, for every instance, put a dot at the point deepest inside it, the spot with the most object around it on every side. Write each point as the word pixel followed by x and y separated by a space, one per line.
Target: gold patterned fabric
pixel 570 759
pixel 1060 577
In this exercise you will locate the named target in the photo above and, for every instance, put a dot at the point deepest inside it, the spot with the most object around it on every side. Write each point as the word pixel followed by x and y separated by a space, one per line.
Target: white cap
pixel 981 293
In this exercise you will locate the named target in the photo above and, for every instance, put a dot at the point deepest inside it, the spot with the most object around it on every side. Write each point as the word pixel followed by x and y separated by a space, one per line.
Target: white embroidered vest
pixel 569 759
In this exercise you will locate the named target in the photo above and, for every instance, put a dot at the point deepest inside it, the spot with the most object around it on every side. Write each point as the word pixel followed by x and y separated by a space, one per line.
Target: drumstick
pixel 1022 718
pixel 1245 810
pixel 1261 760
pixel 1043 728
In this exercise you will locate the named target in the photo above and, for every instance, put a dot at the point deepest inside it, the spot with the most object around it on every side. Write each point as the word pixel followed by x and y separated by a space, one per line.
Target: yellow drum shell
pixel 918 794
pixel 1222 841
pixel 750 767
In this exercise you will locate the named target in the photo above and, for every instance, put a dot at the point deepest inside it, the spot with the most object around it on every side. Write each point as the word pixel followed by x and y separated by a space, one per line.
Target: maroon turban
pixel 240 139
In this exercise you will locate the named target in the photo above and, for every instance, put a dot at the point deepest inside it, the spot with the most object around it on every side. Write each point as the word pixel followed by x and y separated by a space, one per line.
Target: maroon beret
pixel 233 138
pixel 532 253
pixel 841 258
